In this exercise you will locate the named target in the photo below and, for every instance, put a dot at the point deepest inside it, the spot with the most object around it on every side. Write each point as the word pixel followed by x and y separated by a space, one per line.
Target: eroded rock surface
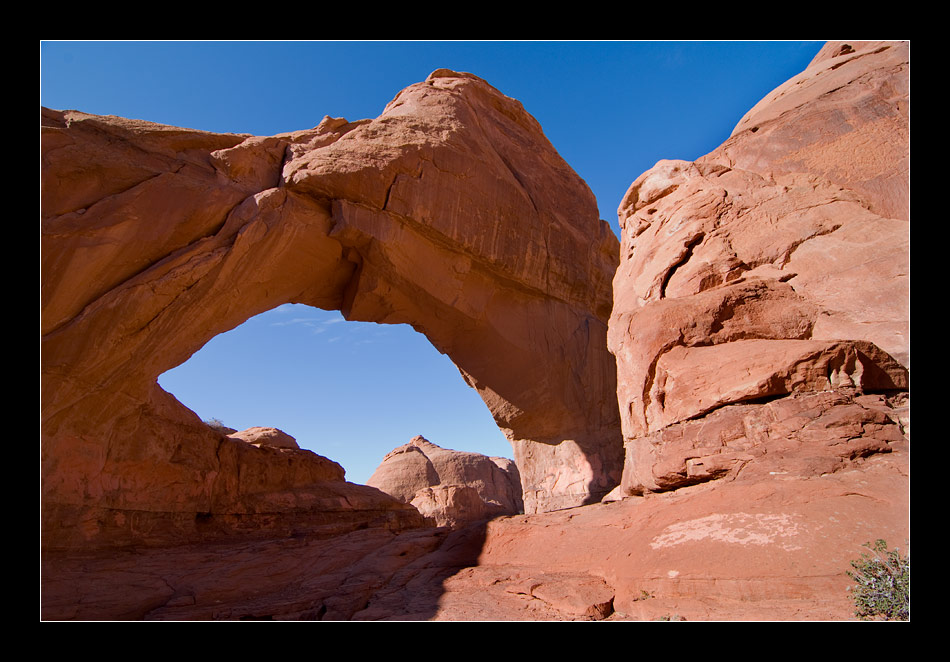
pixel 774 267
pixel 270 437
pixel 773 549
pixel 764 408
pixel 807 434
pixel 450 212
pixel 449 486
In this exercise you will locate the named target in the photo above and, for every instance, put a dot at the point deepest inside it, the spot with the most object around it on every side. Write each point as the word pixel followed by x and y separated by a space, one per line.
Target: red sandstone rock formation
pixel 450 212
pixel 449 486
pixel 809 461
pixel 775 549
pixel 270 437
pixel 775 266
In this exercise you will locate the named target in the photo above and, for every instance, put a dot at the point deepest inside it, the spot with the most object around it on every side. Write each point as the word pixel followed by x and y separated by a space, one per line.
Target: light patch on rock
pixel 734 528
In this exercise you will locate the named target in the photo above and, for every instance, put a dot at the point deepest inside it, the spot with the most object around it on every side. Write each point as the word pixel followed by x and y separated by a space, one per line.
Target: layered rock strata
pixel 773 269
pixel 450 212
pixel 448 486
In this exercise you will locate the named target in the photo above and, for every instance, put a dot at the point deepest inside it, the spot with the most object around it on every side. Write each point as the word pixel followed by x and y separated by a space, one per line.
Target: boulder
pixel 270 437
pixel 449 486
pixel 451 505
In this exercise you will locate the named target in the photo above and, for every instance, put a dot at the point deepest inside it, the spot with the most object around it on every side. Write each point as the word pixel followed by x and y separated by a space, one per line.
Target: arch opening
pixel 349 391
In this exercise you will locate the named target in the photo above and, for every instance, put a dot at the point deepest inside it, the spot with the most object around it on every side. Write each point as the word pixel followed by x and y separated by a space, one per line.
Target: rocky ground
pixel 775 549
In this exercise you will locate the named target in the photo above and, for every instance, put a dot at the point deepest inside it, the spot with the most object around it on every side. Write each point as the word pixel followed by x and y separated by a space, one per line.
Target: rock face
pixel 771 272
pixel 449 486
pixel 450 212
pixel 806 434
pixel 270 437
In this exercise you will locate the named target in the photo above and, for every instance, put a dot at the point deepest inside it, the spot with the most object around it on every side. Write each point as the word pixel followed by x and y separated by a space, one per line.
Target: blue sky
pixel 353 391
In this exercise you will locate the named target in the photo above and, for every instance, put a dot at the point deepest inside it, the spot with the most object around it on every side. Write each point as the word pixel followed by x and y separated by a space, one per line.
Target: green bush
pixel 217 424
pixel 883 584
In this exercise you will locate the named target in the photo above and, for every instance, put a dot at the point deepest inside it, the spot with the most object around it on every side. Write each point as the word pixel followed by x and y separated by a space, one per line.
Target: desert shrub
pixel 217 424
pixel 883 584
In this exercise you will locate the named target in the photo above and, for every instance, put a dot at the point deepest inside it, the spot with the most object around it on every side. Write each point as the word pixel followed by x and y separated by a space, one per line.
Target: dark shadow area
pixel 370 574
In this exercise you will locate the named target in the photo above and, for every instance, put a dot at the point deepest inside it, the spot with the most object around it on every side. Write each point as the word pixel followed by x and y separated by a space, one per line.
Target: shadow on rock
pixel 371 574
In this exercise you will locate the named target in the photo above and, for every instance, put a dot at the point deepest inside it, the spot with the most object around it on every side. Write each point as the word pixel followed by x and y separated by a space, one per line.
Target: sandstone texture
pixel 450 212
pixel 760 326
pixel 763 290
pixel 775 549
pixel 806 435
pixel 450 487
pixel 270 437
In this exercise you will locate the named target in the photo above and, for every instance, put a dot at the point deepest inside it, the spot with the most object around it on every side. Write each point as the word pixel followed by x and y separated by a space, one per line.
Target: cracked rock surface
pixel 775 266
pixel 447 485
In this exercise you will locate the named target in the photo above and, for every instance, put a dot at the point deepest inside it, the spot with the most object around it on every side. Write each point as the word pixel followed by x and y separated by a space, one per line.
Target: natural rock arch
pixel 450 212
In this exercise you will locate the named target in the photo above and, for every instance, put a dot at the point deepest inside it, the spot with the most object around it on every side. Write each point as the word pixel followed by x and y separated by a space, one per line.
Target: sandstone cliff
pixel 773 269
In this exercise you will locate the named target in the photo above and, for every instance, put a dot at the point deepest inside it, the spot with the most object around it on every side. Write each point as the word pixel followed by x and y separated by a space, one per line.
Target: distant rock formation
pixel 773 268
pixel 451 487
pixel 270 437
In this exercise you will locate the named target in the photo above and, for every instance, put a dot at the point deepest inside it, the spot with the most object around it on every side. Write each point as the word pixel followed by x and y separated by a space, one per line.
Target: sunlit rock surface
pixel 761 337
pixel 449 486
pixel 775 266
